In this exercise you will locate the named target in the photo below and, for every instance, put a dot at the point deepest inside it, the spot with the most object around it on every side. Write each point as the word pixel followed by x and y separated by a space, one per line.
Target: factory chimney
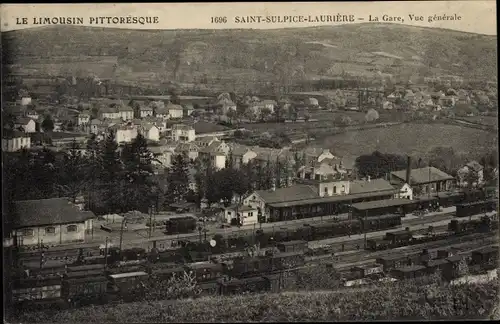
pixel 408 171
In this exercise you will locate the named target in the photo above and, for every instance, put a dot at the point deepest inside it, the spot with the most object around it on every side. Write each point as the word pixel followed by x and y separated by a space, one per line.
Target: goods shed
pixel 381 207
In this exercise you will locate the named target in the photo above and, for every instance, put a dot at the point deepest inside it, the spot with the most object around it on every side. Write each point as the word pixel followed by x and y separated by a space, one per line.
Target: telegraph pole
pixel 150 221
pixel 106 254
pixel 364 225
pixel 121 234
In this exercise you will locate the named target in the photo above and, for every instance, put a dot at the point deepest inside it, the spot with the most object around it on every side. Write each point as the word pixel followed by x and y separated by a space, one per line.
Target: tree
pixel 110 174
pixel 138 169
pixel 265 113
pixel 378 165
pixel 48 124
pixel 212 187
pixel 177 180
pixel 72 172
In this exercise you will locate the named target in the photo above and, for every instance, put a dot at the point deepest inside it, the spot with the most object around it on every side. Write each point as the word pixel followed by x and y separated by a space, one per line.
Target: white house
pixel 145 112
pixel 28 125
pixel 50 221
pixel 125 134
pixel 474 167
pixel 32 114
pixel 15 141
pixel 109 113
pixel 126 112
pixel 405 192
pixel 163 155
pixel 247 215
pixel 83 119
pixel 183 133
pixel 175 111
pixel 162 112
pixel 150 132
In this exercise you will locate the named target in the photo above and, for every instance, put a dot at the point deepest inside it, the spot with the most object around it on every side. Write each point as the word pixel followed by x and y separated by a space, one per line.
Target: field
pixel 483 120
pixel 414 139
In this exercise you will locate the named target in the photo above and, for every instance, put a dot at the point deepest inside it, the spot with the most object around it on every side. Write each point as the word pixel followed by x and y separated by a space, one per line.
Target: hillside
pixel 251 56
pixel 388 302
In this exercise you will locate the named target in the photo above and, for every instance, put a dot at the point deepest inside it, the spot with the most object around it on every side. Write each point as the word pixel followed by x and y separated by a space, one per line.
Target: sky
pixel 475 16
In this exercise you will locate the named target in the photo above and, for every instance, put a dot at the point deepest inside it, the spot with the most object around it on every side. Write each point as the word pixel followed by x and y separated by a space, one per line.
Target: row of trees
pixel 216 186
pixel 379 165
pixel 111 180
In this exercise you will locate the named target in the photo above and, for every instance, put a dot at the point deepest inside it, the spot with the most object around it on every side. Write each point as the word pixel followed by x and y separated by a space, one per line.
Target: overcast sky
pixel 476 16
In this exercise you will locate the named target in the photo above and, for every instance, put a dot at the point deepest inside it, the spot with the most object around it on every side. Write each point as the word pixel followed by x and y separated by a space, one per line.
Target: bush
pixel 410 300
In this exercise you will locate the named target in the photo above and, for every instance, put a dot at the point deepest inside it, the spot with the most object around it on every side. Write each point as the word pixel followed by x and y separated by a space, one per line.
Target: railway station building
pixel 428 180
pixel 312 198
pixel 49 221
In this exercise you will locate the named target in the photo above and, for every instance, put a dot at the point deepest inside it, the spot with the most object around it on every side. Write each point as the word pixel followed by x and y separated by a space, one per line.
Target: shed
pixel 380 207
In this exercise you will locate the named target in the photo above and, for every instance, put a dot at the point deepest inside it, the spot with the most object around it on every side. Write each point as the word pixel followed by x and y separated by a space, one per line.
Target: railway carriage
pixel 81 291
pixel 485 258
pixel 206 271
pixel 409 272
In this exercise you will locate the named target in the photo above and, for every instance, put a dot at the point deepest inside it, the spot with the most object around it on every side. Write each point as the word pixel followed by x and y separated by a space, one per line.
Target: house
pixel 393 97
pixel 312 198
pixel 25 124
pixel 157 121
pixel 476 169
pixel 187 109
pixel 126 112
pixel 216 154
pixel 124 134
pixel 423 180
pixel 183 133
pixel 26 101
pixel 405 191
pixel 175 111
pixel 15 141
pixel 149 131
pixel 245 215
pixel 32 114
pixel 49 221
pixel 205 141
pixel 145 111
pixel 241 155
pixel 109 113
pixel 387 105
pixel 83 118
pixel 96 126
pixel 226 105
pixel 162 112
pixel 163 156
pixel 190 149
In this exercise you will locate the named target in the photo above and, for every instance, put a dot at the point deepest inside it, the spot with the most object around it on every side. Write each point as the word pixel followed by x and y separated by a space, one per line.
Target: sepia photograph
pixel 250 162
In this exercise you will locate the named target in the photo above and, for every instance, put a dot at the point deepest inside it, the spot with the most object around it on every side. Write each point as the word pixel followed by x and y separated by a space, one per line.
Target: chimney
pixel 408 171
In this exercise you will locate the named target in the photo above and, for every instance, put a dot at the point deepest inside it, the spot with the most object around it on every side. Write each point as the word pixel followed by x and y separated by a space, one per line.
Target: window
pixel 50 230
pixel 28 232
pixel 334 189
pixel 343 188
pixel 326 190
pixel 72 228
pixel 229 213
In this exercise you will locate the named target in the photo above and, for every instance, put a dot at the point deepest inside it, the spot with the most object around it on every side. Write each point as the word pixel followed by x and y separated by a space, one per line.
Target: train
pixel 456 227
pixel 400 266
pixel 90 284
pixel 476 207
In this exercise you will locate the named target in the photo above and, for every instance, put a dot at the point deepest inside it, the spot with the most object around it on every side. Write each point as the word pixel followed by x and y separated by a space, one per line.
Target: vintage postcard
pixel 234 162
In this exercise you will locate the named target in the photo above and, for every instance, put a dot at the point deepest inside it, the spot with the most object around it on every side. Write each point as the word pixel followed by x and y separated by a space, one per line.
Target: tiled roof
pixel 125 108
pixel 474 165
pixel 212 148
pixel 239 150
pixel 361 186
pixel 107 110
pixel 293 193
pixel 186 147
pixel 23 120
pixel 48 212
pixel 14 134
pixel 423 175
pixel 172 106
pixel 381 204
